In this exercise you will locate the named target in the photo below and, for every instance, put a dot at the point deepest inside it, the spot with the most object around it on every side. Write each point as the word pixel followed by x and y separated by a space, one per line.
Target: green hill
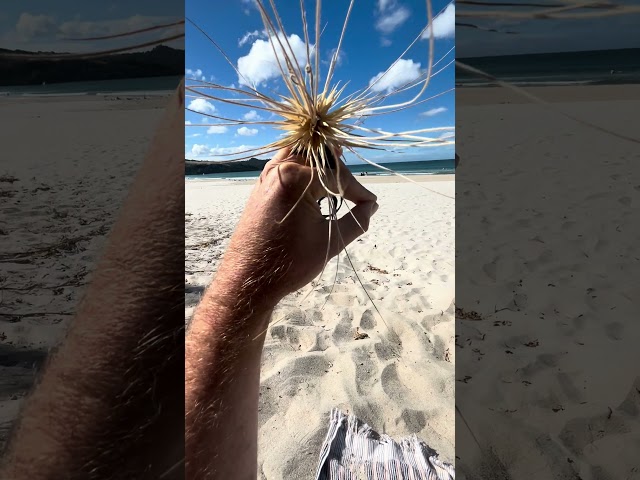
pixel 195 167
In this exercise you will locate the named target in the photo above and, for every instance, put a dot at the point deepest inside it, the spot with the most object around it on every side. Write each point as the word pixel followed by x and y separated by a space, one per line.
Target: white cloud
pixel 401 73
pixel 201 105
pixel 249 3
pixel 433 112
pixel 194 135
pixel 199 150
pixel 197 73
pixel 30 26
pixel 247 132
pixel 252 115
pixel 444 25
pixel 46 32
pixel 385 42
pixel 215 151
pixel 260 64
pixel 388 22
pixel 340 59
pixel 217 129
pixel 81 28
pixel 251 35
pixel 384 4
pixel 205 151
pixel 187 122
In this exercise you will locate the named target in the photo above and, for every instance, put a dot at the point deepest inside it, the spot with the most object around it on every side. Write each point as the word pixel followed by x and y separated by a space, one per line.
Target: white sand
pixel 400 380
pixel 541 381
pixel 73 158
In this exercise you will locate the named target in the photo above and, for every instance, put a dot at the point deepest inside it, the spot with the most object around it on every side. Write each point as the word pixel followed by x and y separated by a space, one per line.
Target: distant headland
pixel 196 167
pixel 161 61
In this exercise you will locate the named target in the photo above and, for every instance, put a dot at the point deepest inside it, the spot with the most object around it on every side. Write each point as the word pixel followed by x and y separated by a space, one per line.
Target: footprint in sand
pixel 304 339
pixel 626 201
pixel 430 321
pixel 393 386
pixel 490 269
pixel 314 316
pixel 298 317
pixel 385 350
pixel 414 420
pixel 343 332
pixel 368 320
pixel 366 370
pixel 615 330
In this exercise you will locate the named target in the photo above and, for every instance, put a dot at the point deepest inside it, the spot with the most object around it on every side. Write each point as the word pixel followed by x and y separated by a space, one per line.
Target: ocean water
pixel 602 67
pixel 430 167
pixel 132 86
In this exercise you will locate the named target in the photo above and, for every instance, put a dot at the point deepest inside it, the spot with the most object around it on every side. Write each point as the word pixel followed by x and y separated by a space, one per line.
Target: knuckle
pixel 289 174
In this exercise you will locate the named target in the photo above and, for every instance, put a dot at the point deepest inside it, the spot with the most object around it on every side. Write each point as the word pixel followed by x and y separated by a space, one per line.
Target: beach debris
pixel 532 344
pixel 447 356
pixel 359 335
pixel 470 315
pixel 8 179
pixel 505 323
pixel 376 269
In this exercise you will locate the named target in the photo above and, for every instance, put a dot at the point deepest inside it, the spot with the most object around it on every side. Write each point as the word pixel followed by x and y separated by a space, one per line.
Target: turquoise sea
pixel 429 167
pixel 600 67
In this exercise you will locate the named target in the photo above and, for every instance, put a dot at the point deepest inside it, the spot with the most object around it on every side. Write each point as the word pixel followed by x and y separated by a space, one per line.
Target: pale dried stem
pixel 334 58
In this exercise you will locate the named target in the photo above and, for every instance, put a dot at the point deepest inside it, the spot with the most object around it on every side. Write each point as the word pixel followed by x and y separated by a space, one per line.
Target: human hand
pixel 266 259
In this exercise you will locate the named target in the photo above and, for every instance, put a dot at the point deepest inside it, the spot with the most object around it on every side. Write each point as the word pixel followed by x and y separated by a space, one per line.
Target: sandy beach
pixel 400 380
pixel 547 376
pixel 67 165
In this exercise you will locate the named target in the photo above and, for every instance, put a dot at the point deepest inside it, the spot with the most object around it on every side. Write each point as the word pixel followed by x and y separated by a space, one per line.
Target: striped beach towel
pixel 353 451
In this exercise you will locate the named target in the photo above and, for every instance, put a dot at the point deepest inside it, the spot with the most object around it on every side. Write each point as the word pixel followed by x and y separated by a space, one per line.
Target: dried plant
pixel 320 119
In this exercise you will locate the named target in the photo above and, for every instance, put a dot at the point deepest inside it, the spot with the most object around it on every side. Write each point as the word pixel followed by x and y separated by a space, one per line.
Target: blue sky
pixel 45 25
pixel 377 34
pixel 547 35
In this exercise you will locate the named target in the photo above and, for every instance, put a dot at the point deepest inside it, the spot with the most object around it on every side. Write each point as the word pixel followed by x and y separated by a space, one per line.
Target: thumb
pixel 350 228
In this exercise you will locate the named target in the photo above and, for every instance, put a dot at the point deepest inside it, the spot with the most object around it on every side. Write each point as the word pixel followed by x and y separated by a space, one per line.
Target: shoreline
pixel 367 179
pixel 110 101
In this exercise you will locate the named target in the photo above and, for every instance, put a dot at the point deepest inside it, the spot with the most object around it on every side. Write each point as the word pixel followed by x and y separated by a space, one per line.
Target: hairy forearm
pixel 108 394
pixel 222 369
